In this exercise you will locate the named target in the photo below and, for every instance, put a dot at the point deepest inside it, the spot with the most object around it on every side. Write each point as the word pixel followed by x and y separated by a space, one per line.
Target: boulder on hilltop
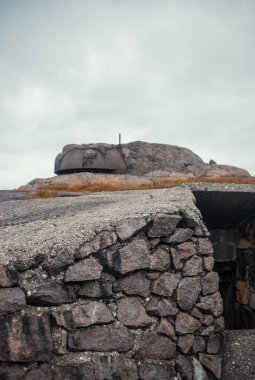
pixel 138 158
pixel 134 165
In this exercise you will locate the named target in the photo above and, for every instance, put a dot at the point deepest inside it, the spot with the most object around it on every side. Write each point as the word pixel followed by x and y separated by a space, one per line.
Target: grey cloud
pixel 164 71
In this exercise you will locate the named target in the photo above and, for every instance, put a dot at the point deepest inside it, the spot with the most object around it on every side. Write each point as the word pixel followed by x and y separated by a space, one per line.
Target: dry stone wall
pixel 245 277
pixel 139 301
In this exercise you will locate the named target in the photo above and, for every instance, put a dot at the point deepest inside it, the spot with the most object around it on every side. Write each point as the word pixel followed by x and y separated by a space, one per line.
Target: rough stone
pixel 161 307
pixel 166 328
pixel 187 293
pixel 42 372
pixel 132 257
pixel 114 367
pixel 53 294
pixel 165 284
pixel 244 243
pixel 11 300
pixel 210 283
pixel 207 319
pixel 8 277
pixel 252 298
pixel 142 159
pixel 127 228
pixel 59 341
pixel 160 260
pixel 212 304
pixel 207 331
pixel 242 292
pixel 153 371
pixel 12 371
pixel 186 250
pixel 96 289
pixel 156 346
pixel 179 236
pixel 25 338
pixel 164 225
pixel 86 270
pixel 154 242
pixel 219 324
pixel 29 263
pixel 204 247
pixel 87 314
pixel 200 232
pixel 60 262
pixel 131 313
pixel 184 367
pixel 214 344
pixel 189 219
pixel 197 314
pixel 152 275
pixel 74 371
pixel 185 343
pixel 103 240
pixel 193 267
pixel 176 261
pixel 186 324
pixel 213 363
pixel 208 263
pixel 199 344
pixel 198 371
pixel 134 284
pixel 102 339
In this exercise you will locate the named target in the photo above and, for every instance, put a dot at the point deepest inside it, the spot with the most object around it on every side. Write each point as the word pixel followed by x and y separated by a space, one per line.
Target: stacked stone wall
pixel 138 301
pixel 245 277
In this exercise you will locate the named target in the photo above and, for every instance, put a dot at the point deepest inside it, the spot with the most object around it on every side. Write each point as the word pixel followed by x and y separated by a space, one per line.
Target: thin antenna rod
pixel 119 138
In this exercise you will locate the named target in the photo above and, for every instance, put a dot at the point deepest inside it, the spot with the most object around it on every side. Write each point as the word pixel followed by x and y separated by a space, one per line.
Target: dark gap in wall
pixel 230 219
pixel 226 272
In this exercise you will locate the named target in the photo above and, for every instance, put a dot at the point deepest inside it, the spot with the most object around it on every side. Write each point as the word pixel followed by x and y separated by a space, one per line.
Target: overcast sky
pixel 167 71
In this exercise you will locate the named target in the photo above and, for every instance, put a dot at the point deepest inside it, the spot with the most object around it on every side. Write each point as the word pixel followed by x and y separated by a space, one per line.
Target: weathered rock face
pixel 137 301
pixel 25 338
pixel 105 338
pixel 137 158
pixel 156 346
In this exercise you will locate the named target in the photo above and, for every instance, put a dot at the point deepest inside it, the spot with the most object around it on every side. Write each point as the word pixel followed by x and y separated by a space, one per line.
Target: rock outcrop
pixel 137 164
pixel 138 158
pixel 134 165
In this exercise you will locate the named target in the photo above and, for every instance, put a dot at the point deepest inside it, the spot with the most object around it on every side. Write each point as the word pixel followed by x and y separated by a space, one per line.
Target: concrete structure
pixel 97 158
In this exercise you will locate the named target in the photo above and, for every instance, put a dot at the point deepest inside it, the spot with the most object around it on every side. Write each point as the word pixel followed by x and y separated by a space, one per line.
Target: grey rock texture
pixel 25 338
pixel 124 260
pixel 110 367
pixel 11 300
pixel 137 158
pixel 88 269
pixel 101 338
pixel 53 294
pixel 131 312
pixel 95 288
pixel 153 371
pixel 83 315
pixel 134 284
pixel 156 346
pixel 139 163
pixel 187 293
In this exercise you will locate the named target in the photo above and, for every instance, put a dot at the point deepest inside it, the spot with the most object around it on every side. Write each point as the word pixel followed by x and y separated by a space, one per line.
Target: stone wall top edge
pixel 39 227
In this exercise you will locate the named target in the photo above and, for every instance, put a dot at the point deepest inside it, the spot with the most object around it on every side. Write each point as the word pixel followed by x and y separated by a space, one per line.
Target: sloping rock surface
pixel 131 165
pixel 138 158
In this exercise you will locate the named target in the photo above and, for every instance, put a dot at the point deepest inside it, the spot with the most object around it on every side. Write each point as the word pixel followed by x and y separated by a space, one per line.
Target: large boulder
pixel 137 158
